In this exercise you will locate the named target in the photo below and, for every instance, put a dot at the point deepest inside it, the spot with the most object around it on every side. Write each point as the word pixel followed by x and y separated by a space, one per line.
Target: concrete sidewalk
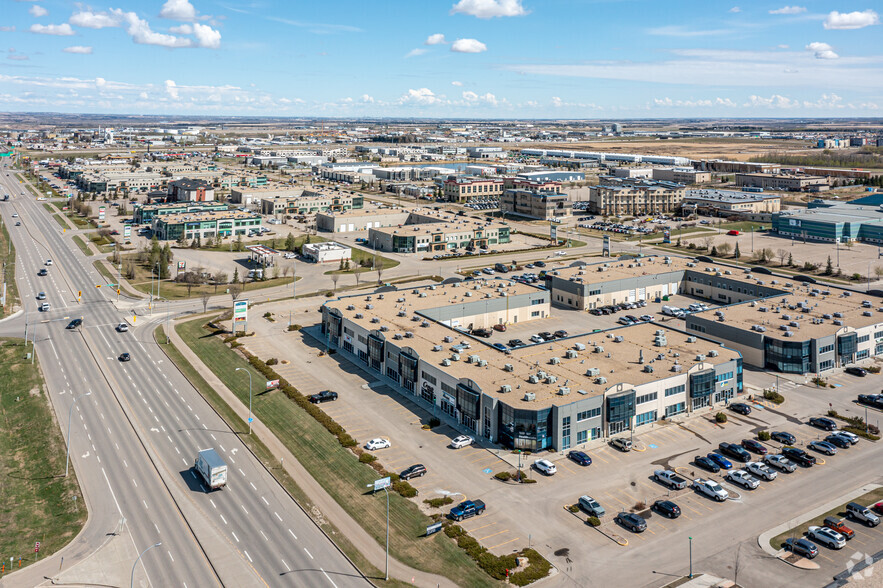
pixel 323 506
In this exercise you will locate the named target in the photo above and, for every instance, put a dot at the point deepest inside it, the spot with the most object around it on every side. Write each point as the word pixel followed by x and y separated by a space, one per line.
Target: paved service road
pixel 134 438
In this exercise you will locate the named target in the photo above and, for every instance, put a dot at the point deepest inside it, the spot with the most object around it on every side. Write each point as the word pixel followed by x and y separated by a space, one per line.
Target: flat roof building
pixel 204 225
pixel 733 201
pixel 326 252
pixel 791 182
pixel 430 235
pixel 190 190
pixel 144 213
pixel 622 197
pixel 539 205
pixel 464 189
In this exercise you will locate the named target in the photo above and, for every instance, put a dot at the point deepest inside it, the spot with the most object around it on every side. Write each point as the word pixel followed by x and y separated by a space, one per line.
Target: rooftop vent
pixel 563 390
pixel 350 307
pixel 838 315
pixel 600 380
pixel 508 368
pixel 437 348
pixel 617 339
pixel 788 334
pixel 359 315
pixel 598 349
pixel 570 354
pixel 374 319
pixel 838 322
pixel 505 388
pixel 369 306
pixel 700 357
pixel 455 357
pixel 397 336
pixel 648 369
pixel 691 339
pixel 550 379
pixel 867 313
pixel 533 379
pixel 579 346
pixel 529 397
pixel 593 371
pixel 482 363
pixel 713 353
pixel 446 362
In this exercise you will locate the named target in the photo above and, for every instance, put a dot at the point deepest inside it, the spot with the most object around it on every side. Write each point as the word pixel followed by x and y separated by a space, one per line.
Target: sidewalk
pixel 322 501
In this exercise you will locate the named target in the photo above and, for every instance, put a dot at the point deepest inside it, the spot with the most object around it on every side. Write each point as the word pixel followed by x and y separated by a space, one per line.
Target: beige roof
pixel 631 268
pixel 209 215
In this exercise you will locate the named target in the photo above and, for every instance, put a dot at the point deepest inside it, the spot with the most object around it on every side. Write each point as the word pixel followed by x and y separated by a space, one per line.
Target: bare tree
pixel 334 279
pixel 878 271
pixel 285 270
pixel 358 276
pixel 378 267
pixel 235 290
pixel 708 241
pixel 723 249
pixel 204 296
pixel 782 254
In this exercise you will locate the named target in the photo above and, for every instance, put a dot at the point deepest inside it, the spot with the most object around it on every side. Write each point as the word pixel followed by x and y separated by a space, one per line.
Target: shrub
pixel 439 502
pixel 404 489
pixel 528 481
pixel 295 327
pixel 764 436
pixel 720 417
pixel 367 458
pixel 503 476
pixel 329 294
pixel 594 521
pixel 346 440
pixel 268 314
pixel 874 369
pixel 434 422
pixel 537 569
pixel 573 508
pixel 272 361
pixel 454 531
pixel 773 396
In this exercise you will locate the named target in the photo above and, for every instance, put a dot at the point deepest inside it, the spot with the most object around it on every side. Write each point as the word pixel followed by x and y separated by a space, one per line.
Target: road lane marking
pixel 286 565
pixel 265 501
pixel 234 536
pixel 144 502
pixel 329 578
pixel 262 535
pixel 213 503
pixel 134 482
pixel 223 519
pixel 243 508
pixel 248 556
pixel 308 553
pixel 253 487
pixel 170 556
pixel 277 515
pixel 292 534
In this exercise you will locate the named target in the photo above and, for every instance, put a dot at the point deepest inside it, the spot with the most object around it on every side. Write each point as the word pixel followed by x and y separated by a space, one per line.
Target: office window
pixel 826 348
pixel 536 301
pixel 675 390
pixel 645 398
pixel 863 354
pixel 594 292
pixel 644 418
pixel 723 377
pixel 429 378
pixel 588 414
pixel 535 313
pixel 581 437
pixel 863 339
pixel 828 364
pixel 674 409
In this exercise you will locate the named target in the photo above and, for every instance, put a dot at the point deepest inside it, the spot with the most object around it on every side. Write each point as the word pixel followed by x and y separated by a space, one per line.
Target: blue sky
pixel 444 58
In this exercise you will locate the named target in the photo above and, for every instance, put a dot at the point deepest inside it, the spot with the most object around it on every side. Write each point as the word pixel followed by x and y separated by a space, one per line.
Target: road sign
pixel 240 311
pixel 127 231
pixel 37 547
pixel 433 528
pixel 181 265
pixel 382 483
pixel 272 384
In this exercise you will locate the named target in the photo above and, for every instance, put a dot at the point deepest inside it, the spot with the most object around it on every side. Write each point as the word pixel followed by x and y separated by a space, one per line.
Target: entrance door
pixel 617 427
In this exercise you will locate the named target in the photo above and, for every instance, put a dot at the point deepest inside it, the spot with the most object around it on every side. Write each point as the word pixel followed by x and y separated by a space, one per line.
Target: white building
pixel 327 252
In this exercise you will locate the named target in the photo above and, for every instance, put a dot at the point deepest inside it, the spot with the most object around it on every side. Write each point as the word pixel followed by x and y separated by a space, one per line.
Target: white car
pixel 545 466
pixel 743 478
pixel 375 444
pixel 48 262
pixel 462 441
pixel 536 339
pixel 711 488
pixel 780 462
pixel 826 536
pixel 14 215
pixel 761 470
pixel 853 438
pixel 122 327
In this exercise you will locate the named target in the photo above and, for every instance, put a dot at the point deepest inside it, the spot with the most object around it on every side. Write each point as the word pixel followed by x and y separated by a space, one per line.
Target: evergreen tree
pixel 737 254
pixel 290 243
pixel 790 260
pixel 714 251
pixel 235 275
pixel 829 267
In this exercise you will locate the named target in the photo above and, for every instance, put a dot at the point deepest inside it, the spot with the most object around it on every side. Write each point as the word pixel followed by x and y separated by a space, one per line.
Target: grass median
pixel 37 503
pixel 82 245
pixel 337 469
pixel 7 259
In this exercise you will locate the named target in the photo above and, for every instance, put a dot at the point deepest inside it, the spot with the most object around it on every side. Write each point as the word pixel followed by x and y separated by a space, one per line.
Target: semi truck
pixel 212 468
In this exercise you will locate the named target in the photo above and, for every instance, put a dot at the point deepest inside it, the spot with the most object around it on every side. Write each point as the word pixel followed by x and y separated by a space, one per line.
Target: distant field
pixel 738 149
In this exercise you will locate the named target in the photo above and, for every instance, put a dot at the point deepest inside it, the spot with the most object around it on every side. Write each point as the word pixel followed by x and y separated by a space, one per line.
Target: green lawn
pixel 83 247
pixel 112 278
pixel 745 226
pixel 338 470
pixel 7 257
pixel 871 497
pixel 363 260
pixel 37 503
pixel 277 242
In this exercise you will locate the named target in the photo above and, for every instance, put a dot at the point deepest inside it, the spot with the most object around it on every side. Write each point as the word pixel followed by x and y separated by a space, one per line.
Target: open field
pixel 738 149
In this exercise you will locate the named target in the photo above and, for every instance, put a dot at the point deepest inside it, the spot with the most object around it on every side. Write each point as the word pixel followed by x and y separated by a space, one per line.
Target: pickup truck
pixel 670 479
pixel 711 489
pixel 467 509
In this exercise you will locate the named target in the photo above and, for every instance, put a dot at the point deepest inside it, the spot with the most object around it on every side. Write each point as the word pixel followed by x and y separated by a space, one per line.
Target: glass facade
pixel 468 401
pixel 524 429
pixel 621 408
pixel 791 357
pixel 702 384
pixel 375 351
pixel 846 347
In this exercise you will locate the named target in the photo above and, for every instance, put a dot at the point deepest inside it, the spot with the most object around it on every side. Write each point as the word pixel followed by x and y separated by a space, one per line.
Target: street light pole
pixel 249 396
pixel 69 414
pixel 691 557
pixel 132 581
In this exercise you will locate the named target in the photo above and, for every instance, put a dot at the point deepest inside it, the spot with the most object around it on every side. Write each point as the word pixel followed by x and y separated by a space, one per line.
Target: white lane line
pixel 292 534
pixel 169 437
pixel 125 464
pixel 277 514
pixel 185 461
pixel 213 502
pixel 265 501
pixel 188 432
pixel 286 565
pixel 329 578
pixel 241 472
pixel 223 519
pixel 157 528
pixel 222 448
pixel 98 458
pixel 234 536
pixel 176 449
pixel 213 436
pixel 243 508
pixel 173 559
pixel 145 504
pixel 308 553
pixel 134 482
pixel 248 556
pixel 114 444
pixel 196 415
pixel 253 487
pixel 262 535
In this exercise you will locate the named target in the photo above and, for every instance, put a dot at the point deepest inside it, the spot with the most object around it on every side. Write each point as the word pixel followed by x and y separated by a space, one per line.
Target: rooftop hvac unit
pixel 359 315
pixel 783 327
pixel 455 357
pixel 660 341
pixel 424 324
pixel 505 388
pixel 718 274
pixel 555 360
pixel 508 368
pixel 374 319
pixel 423 295
pixel 805 309
pixel 838 315
pixel 533 379
pixel 415 291
pixel 617 339
pixel 350 307
pixel 437 347
pixel 400 299
pixel 529 397
pixel 660 332
pixel 550 379
pixel 752 304
pixel 369 306
pixel 403 313
pixel 691 264
pixel 794 324
pixel 448 339
pixel 866 304
pixel 563 390
pixel 826 316
pixel 397 336
pixel 409 335
pixel 720 318
pixel 676 367
pixel 648 369
pixel 541 374
pixel 482 363
pixel 472 359
pixel 713 353
pixel 583 392
pixel 384 328
pixel 700 357
pixel 867 313
pixel 788 334
pixel 593 371
pixel 786 317
pixel 660 356
pixel 838 322
pixel 748 277
pixel 432 287
pixel 579 346
pixel 691 339
pixel 763 309
pixel 570 354
pixel 598 349
pixel 446 362
pixel 600 380
pixel 415 318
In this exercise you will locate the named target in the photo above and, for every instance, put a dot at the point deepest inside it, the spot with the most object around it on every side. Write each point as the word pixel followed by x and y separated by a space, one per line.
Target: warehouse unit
pixel 204 225
pixel 438 236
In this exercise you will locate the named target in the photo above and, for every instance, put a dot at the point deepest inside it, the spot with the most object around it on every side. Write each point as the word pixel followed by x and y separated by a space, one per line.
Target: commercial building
pixel 327 252
pixel 732 201
pixel 359 220
pixel 432 235
pixel 749 167
pixel 791 182
pixel 204 225
pixel 831 223
pixel 681 175
pixel 188 190
pixel 557 395
pixel 633 172
pixel 125 182
pixel 312 203
pixel 144 213
pixel 539 205
pixel 553 176
pixel 620 197
pixel 246 196
pixel 464 189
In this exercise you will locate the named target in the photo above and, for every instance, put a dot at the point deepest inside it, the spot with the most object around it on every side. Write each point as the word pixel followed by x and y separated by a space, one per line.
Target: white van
pixel 671 310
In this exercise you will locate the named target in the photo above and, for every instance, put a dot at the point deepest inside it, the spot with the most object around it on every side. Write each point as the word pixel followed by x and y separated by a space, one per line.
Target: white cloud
pixel 62 30
pixel 822 50
pixel 178 10
pixel 735 9
pixel 421 96
pixel 789 10
pixel 182 29
pixel 473 98
pixel 141 33
pixel 456 83
pixel 468 46
pixel 489 8
pixel 79 49
pixel 700 103
pixel 827 101
pixel 851 20
pixel 100 82
pixel 37 11
pixel 366 99
pixel 206 36
pixel 15 57
pixel 774 101
pixel 436 39
pixel 415 52
pixel 782 46
pixel 172 89
pixel 142 95
pixel 94 20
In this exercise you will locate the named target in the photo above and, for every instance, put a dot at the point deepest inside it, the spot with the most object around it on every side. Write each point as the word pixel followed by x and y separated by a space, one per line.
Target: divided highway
pixel 135 436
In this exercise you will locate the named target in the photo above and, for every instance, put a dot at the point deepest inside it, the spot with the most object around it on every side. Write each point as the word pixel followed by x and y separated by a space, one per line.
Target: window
pixel 864 339
pixel 645 398
pixel 581 437
pixel 863 354
pixel 723 377
pixel 588 414
pixel 447 388
pixel 828 364
pixel 674 409
pixel 596 433
pixel 644 418
pixel 594 292
pixel 362 339
pixel 535 313
pixel 429 378
pixel 565 433
pixel 696 327
pixel 348 331
pixel 536 301
pixel 828 348
pixel 699 291
pixel 675 390
pixel 878 335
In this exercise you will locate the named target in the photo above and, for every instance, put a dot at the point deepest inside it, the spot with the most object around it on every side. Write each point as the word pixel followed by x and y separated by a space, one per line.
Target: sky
pixel 574 59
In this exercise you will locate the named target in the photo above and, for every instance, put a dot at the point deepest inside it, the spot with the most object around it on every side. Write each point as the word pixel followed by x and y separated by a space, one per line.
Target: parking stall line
pixel 563 464
pixel 616 499
pixel 493 534
pixel 477 528
pixel 598 456
pixel 503 543
pixel 695 512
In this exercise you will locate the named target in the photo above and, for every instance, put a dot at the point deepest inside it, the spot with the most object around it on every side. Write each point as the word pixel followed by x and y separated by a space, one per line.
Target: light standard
pixel 249 396
pixel 691 557
pixel 132 581
pixel 70 413
pixel 385 489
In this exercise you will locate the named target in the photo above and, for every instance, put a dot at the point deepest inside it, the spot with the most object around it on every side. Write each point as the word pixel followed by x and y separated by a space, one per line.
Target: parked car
pixel 734 451
pixel 621 443
pixel 856 371
pixel 801 547
pixel 579 457
pixel 462 441
pixel 857 512
pixel 783 437
pixel 323 396
pixel 823 423
pixel 853 438
pixel 560 334
pixel 591 506
pixel 838 441
pixel 467 509
pixel 545 466
pixel 632 522
pixel 755 446
pixel 828 537
pixel 378 443
pixel 536 339
pixel 500 327
pixel 780 462
pixel 761 470
pixel 415 471
pixel 839 526
pixel 482 333
pixel 670 479
pixel 741 408
pixel 743 479
pixel 515 343
pixel 874 400
pixel 546 335
pixel 720 460
pixel 799 456
pixel 667 508
pixel 711 489
pixel 706 464
pixel 822 447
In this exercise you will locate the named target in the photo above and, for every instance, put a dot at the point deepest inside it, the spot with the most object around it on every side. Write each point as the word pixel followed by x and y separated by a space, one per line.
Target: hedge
pixel 764 435
pixel 720 417
pixel 496 566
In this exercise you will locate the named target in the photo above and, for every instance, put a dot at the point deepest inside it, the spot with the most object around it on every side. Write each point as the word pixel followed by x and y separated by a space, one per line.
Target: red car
pixel 837 525
pixel 733 233
pixel 878 507
pixel 499 327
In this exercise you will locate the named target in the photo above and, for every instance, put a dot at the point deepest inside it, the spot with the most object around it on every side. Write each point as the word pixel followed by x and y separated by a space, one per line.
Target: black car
pixel 734 451
pixel 741 408
pixel 596 311
pixel 515 343
pixel 125 357
pixel 667 508
pixel 634 523
pixel 43 272
pixel 838 441
pixel 323 396
pixel 823 423
pixel 799 456
pixel 706 464
pixel 783 437
pixel 856 371
pixel 580 458
pixel 74 323
pixel 540 263
pixel 546 335
pixel 875 400
pixel 414 471
pixel 754 445
pixel 560 334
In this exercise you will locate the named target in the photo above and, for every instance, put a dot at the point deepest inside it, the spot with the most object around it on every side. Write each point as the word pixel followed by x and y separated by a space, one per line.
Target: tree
pixel 235 275
pixel 235 291
pixel 878 271
pixel 290 243
pixel 165 259
pixel 782 254
pixel 334 279
pixel 790 260
pixel 829 267
pixel 239 246
pixel 204 297
pixel 378 267
pixel 723 249
pixel 220 278
pixel 708 242
pixel 713 251
pixel 736 253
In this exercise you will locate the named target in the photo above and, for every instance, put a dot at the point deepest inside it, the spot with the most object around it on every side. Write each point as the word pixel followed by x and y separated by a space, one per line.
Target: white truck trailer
pixel 212 468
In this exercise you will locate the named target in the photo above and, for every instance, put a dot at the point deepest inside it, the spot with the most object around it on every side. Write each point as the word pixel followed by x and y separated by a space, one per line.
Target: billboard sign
pixel 240 311
pixel 127 231
pixel 605 250
pixel 272 384
pixel 182 265
pixel 382 483
pixel 666 236
pixel 553 233
pixel 101 213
